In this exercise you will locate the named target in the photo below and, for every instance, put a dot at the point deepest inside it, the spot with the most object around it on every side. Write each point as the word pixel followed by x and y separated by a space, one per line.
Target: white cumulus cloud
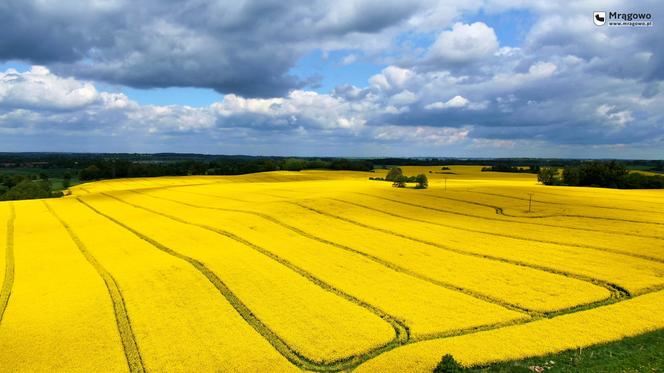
pixel 39 88
pixel 454 102
pixel 464 43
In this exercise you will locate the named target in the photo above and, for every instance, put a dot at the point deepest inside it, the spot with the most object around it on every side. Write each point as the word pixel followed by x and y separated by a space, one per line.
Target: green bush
pixel 399 182
pixel 547 175
pixel 28 189
pixel 609 174
pixel 394 174
pixel 422 181
pixel 448 365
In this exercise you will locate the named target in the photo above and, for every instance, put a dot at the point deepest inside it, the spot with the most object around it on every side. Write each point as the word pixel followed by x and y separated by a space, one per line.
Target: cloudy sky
pixel 331 78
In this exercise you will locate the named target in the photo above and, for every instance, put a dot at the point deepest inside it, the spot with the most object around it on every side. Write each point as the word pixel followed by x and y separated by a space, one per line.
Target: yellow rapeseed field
pixel 426 308
pixel 323 271
pixel 178 319
pixel 540 337
pixel 293 308
pixel 6 255
pixel 59 315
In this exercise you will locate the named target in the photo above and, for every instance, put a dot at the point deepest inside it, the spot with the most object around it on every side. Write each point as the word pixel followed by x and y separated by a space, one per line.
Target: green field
pixel 643 353
pixel 55 175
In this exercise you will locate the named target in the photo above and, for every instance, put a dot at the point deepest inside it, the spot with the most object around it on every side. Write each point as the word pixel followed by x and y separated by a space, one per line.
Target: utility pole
pixel 530 201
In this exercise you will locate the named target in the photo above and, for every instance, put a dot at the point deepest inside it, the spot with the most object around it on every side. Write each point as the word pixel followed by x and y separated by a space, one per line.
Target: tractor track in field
pixel 194 193
pixel 502 212
pixel 359 360
pixel 561 203
pixel 621 295
pixel 616 290
pixel 487 298
pixel 610 286
pixel 385 263
pixel 129 344
pixel 622 199
pixel 598 248
pixel 508 221
pixel 577 216
pixel 402 334
pixel 8 281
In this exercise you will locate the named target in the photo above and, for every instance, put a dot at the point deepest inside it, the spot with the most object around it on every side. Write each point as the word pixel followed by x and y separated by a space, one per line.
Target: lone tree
pixel 422 181
pixel 547 175
pixel 394 174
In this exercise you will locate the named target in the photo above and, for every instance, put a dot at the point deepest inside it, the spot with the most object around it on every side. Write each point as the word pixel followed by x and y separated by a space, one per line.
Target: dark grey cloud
pixel 243 47
pixel 349 92
pixel 54 31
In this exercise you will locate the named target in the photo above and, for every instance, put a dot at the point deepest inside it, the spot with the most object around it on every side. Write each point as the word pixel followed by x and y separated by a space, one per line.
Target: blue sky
pixel 347 78
pixel 326 69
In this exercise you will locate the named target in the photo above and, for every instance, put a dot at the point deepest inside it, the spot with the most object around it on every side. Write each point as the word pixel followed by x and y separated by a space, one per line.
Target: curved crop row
pixel 636 246
pixel 59 317
pixel 535 216
pixel 405 258
pixel 385 258
pixel 179 319
pixel 121 316
pixel 278 340
pixel 571 331
pixel 616 271
pixel 616 289
pixel 475 216
pixel 349 268
pixel 559 203
pixel 376 354
pixel 506 235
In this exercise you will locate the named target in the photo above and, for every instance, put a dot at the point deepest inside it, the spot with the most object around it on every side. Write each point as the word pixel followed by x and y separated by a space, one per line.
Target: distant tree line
pixel 91 166
pixel 82 160
pixel 642 164
pixel 608 174
pixel 506 167
pixel 658 166
pixel 122 168
pixel 18 186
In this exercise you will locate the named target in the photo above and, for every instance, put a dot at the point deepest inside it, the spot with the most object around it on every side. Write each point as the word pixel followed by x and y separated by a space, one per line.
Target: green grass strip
pixel 642 353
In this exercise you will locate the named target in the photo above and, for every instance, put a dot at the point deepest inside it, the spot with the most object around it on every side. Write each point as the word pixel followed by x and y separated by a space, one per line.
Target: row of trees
pixel 609 174
pixel 81 160
pixel 17 186
pixel 122 168
pixel 399 180
pixel 505 167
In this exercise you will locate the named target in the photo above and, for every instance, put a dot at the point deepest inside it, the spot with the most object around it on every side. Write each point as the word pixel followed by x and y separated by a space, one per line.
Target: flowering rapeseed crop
pixel 322 270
